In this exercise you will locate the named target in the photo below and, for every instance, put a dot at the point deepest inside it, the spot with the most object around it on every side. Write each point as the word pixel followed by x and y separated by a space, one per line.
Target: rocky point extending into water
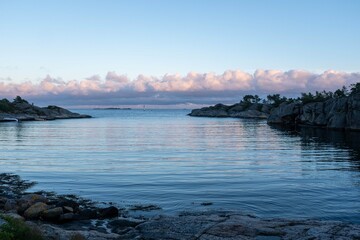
pixel 238 110
pixel 64 217
pixel 338 110
pixel 22 110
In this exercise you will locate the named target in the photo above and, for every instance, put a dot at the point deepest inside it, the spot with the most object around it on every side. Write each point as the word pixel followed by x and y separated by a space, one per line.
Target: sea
pixel 182 163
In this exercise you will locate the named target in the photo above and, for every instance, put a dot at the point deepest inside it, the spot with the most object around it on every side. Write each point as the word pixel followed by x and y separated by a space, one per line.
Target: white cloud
pixel 193 87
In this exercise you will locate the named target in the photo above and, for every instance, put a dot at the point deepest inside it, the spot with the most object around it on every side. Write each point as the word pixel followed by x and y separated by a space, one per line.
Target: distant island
pixel 21 110
pixel 332 110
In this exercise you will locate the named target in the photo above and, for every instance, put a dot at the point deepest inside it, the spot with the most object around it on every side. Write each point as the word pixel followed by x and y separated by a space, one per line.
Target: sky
pixel 168 52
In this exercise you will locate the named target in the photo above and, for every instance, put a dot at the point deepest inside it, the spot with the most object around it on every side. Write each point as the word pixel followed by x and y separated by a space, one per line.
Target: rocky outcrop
pixel 239 110
pixel 21 110
pixel 285 113
pixel 340 113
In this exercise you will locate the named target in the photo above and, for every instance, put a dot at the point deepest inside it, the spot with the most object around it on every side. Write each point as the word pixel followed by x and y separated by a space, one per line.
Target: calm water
pixel 166 158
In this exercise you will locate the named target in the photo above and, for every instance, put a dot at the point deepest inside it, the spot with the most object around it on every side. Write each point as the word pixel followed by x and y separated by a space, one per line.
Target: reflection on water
pixel 167 158
pixel 318 138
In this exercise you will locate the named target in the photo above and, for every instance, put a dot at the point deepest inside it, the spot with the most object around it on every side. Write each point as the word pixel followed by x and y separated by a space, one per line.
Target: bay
pixel 178 162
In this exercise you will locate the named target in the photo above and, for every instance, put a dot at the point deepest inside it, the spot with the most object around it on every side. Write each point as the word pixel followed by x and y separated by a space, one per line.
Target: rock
pixel 109 212
pixel 55 232
pixel 22 110
pixel 239 110
pixel 15 216
pixel 35 210
pixel 10 204
pixel 250 114
pixel 69 204
pixel 285 114
pixel 219 110
pixel 28 200
pixel 120 225
pixel 353 113
pixel 87 214
pixel 52 214
pixel 66 217
pixel 340 113
pixel 313 114
pixel 68 209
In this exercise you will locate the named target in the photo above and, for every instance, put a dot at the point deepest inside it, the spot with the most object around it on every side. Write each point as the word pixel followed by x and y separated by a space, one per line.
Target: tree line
pixel 277 99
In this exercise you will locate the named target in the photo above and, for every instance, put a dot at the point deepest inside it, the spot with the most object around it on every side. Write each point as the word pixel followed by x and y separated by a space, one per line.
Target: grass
pixel 15 229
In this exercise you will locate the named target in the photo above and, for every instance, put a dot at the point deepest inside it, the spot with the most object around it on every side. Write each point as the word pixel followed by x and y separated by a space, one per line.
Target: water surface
pixel 166 158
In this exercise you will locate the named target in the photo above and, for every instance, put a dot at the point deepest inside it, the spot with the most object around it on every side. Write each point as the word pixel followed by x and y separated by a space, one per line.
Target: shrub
pixel 15 229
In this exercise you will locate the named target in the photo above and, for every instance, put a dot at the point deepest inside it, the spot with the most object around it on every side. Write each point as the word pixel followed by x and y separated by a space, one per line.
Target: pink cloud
pixel 193 86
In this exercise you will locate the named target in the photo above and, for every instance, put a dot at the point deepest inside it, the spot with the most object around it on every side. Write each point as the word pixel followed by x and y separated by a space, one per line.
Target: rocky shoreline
pixel 61 217
pixel 21 110
pixel 342 113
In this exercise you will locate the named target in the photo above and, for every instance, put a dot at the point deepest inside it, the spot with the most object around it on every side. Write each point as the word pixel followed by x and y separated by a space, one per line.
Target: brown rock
pixel 52 214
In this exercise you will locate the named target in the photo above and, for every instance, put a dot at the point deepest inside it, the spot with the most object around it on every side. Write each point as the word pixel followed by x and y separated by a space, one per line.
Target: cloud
pixel 200 88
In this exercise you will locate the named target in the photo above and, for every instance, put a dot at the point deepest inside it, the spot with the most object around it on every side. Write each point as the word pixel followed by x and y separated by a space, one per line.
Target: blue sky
pixel 74 40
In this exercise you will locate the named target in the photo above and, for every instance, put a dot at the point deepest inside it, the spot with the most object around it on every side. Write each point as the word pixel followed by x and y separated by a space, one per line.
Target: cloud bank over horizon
pixel 174 89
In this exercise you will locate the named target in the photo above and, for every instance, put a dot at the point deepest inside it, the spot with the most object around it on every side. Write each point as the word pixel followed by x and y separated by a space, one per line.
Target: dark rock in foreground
pixel 21 110
pixel 215 225
pixel 341 113
pixel 239 110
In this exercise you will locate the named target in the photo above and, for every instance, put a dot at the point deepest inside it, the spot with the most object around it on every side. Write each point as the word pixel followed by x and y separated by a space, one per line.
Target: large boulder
pixel 35 210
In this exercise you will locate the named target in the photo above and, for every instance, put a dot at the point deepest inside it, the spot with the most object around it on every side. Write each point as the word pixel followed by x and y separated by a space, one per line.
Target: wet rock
pixel 52 214
pixel 35 210
pixel 33 198
pixel 68 203
pixel 121 225
pixel 68 209
pixel 109 212
pixel 55 232
pixel 66 217
pixel 87 214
